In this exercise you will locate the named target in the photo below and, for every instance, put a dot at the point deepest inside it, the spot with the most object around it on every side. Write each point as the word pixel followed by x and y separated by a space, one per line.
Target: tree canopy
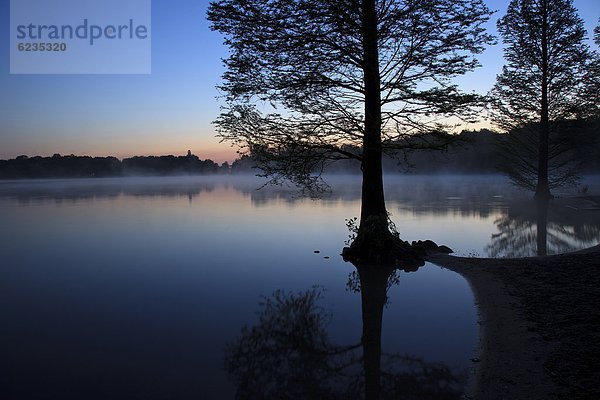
pixel 307 80
pixel 296 79
pixel 544 84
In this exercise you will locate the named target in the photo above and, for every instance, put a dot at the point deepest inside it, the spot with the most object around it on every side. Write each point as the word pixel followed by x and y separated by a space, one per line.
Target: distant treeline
pixel 473 152
pixel 73 166
pixel 483 151
pixel 470 152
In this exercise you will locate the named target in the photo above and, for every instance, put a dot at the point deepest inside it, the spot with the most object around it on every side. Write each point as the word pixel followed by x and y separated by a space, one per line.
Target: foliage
pixel 352 225
pixel 573 147
pixel 544 84
pixel 591 93
pixel 296 78
pixel 469 152
pixel 58 166
pixel 72 166
pixel 518 92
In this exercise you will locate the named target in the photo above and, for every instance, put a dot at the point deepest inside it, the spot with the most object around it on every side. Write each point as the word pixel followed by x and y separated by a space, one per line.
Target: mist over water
pixel 131 287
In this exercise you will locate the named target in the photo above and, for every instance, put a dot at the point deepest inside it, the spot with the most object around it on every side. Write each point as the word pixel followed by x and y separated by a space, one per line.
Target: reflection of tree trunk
pixel 373 283
pixel 542 227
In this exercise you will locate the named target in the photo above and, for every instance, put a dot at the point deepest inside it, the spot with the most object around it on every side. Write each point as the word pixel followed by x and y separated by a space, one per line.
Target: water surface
pixel 132 288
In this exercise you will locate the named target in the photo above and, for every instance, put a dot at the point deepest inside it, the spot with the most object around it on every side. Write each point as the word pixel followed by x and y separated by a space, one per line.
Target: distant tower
pixel 189 153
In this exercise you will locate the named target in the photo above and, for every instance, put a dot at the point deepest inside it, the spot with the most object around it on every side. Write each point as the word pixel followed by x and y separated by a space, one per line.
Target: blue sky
pixel 166 112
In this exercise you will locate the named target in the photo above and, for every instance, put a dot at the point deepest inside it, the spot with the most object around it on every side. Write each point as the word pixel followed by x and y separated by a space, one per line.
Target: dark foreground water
pixel 140 288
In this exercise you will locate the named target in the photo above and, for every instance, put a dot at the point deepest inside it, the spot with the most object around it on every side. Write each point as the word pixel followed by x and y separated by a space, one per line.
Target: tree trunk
pixel 542 190
pixel 373 212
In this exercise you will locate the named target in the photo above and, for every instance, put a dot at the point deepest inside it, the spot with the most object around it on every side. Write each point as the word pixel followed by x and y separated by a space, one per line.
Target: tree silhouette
pixel 542 85
pixel 309 82
pixel 592 78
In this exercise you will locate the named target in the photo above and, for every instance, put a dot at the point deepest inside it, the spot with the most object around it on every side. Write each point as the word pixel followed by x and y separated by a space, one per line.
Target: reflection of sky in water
pixel 139 283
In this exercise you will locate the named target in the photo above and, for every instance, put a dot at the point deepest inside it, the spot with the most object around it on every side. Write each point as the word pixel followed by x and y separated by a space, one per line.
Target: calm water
pixel 132 288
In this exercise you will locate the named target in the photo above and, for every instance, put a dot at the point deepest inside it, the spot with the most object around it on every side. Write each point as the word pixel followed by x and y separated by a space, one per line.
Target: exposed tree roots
pixel 389 250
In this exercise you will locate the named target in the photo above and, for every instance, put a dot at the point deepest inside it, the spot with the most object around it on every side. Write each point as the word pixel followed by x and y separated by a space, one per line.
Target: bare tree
pixel 309 82
pixel 541 87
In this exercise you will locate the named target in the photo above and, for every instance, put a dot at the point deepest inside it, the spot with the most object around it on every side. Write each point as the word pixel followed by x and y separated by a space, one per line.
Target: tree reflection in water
pixel 289 355
pixel 541 228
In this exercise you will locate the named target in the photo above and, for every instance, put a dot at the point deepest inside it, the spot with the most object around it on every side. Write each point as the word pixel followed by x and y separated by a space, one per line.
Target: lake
pixel 139 288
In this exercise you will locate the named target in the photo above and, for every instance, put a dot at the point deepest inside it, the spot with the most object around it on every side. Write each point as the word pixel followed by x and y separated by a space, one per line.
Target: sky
pixel 168 111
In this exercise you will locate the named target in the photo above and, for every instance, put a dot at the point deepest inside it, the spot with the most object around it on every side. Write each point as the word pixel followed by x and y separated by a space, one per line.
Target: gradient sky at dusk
pixel 166 112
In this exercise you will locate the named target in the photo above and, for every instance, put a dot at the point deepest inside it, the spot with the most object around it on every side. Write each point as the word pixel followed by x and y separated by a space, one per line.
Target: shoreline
pixel 537 324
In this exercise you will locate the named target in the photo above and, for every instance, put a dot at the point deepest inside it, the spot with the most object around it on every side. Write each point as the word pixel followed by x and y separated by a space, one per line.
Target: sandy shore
pixel 539 325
